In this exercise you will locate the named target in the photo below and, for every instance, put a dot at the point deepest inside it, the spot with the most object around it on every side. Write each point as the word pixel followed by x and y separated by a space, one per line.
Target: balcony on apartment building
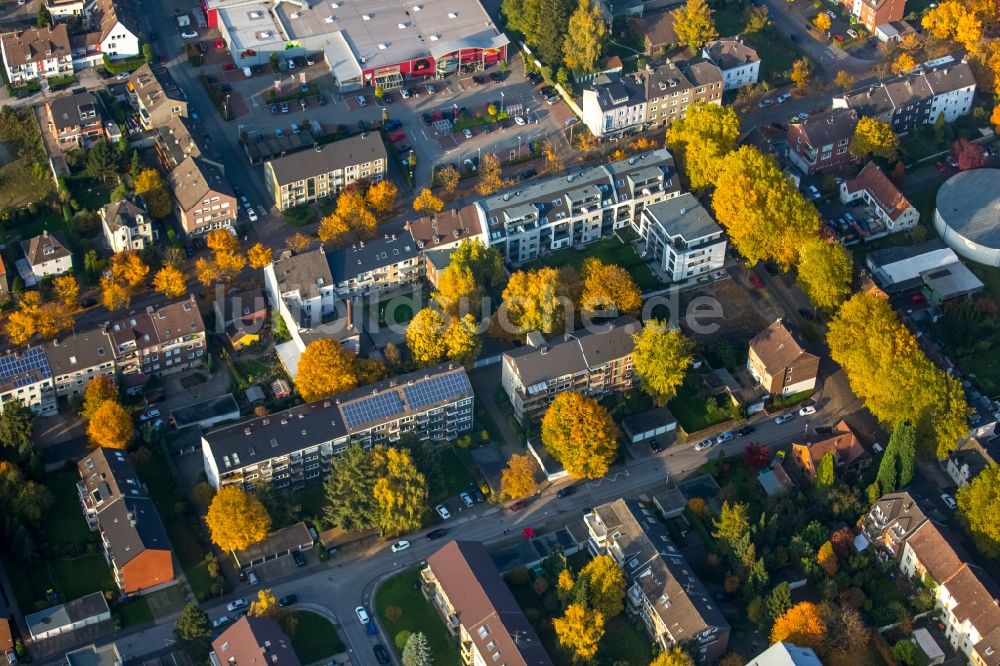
pixel 88 504
pixel 636 598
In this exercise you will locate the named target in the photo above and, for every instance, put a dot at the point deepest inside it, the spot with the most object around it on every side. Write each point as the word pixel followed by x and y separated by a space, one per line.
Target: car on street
pixel 755 280
pixel 88 302
pixel 783 97
pixel 784 418
pixel 361 100
pixel 478 495
pixel 806 410
pixel 387 98
pixel 287 600
pixel 404 148
pixel 300 559
pixel 467 132
pixel 433 535
pixel 442 511
pixel 727 436
pixel 832 15
pixel 743 431
pixel 381 654
pixel 273 109
pixel 469 164
pixel 252 214
pixel 520 120
pixel 237 604
pixel 398 135
pixel 284 107
pixel 278 132
pixel 321 99
pixel 189 34
pixel 391 125
pixel 552 99
pixel 220 621
pixel 478 80
pixel 362 615
pixel 806 314
pixel 764 103
pixel 852 33
pixel 430 89
pixel 566 492
pixel 516 506
pixel 704 444
pixel 295 128
pixel 467 500
pixel 400 546
pixel 949 501
pixel 813 192
pixel 839 37
pixel 404 93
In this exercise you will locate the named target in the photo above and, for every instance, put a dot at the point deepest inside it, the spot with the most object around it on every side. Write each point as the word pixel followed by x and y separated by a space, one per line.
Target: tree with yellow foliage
pixel 873 137
pixel 67 290
pixel 585 37
pixel 449 178
pixel 953 20
pixel 426 202
pixel 903 63
pixel 827 560
pixel 98 390
pixel 425 337
pixel 801 624
pixel 229 264
pixel 995 117
pixel 33 317
pixel 20 327
pixel 259 256
pixel 490 175
pixel 236 519
pixel 662 356
pixel 457 290
pixel 110 426
pixel 297 242
pixel 675 656
pixel 765 216
pixel 265 605
pixel 580 630
pixel 579 433
pixel 553 162
pixel 642 144
pixel 517 480
pixel 150 186
pixel 128 268
pixel 381 197
pixel 843 80
pixel 825 271
pixel 693 25
pixel 531 301
pixel 801 75
pixel 706 134
pixel 350 221
pixel 206 271
pixel 605 585
pixel 607 287
pixel 222 240
pixel 400 491
pixel 822 22
pixel 461 341
pixel 325 368
pixel 170 281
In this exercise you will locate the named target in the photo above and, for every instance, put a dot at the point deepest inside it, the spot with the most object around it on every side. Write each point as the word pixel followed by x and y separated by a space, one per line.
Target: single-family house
pixel 47 256
pixel 890 211
pixel 738 61
pixel 779 363
pixel 127 226
pixel 849 457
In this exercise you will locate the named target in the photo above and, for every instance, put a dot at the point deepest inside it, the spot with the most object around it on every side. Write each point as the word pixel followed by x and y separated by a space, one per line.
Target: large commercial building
pixel 966 215
pixel 370 44
pixel 291 448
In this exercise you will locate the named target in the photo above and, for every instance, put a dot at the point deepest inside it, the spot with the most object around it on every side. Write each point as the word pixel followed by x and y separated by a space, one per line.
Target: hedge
pixel 311 90
pixel 127 65
pixel 60 82
pixel 34 85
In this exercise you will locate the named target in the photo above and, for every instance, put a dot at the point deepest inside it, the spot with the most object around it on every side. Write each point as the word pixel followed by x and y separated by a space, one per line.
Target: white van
pixel 247 72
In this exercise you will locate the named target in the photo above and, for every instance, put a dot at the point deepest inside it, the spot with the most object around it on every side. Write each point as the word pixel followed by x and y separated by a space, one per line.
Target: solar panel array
pixel 371 409
pixel 437 389
pixel 20 370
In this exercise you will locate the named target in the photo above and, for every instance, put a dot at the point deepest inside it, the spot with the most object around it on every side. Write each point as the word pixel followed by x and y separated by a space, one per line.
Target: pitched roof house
pixel 127 226
pixel 892 520
pixel 36 53
pixel 891 211
pixel 204 199
pixel 738 61
pixel 46 255
pixel 778 361
pixel 819 143
pixel 253 641
pixel 849 456
pixel 75 118
pixel 155 94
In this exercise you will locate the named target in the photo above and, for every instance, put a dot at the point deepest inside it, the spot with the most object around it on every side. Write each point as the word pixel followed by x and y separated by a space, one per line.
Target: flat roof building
pixel 966 215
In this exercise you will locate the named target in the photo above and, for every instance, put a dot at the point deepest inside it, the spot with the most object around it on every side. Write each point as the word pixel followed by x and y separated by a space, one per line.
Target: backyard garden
pixel 610 251
pixel 403 610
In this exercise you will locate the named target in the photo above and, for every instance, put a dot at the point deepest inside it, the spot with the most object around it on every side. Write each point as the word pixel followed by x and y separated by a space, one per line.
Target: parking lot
pixel 432 142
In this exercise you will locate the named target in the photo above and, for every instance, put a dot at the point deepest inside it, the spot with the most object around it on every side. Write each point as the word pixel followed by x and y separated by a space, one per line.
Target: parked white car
pixel 362 614
pixel 400 545
pixel 189 34
pixel 807 410
pixel 442 511
pixel 237 604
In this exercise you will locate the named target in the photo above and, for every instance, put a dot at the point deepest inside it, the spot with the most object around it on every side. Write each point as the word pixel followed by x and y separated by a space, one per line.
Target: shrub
pixel 519 576
pixel 401 638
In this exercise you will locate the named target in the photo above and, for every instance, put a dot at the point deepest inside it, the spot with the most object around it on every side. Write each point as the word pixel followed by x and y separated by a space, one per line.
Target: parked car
pixel 404 148
pixel 273 108
pixel 517 506
pixel 288 600
pixel 430 89
pixel 295 128
pixel 284 107
pixel 528 173
pixel 743 431
pixel 813 192
pixel 784 418
pixel 220 621
pixel 437 534
pixel 11 657
pixel 478 495
pixel 852 33
pixel 252 577
pixel 764 103
pixel 151 414
pixel 727 436
pixel 442 511
pixel 755 280
pixel 806 410
pixel 252 214
pixel 832 15
pixel 520 120
pixel 400 546
pixel 704 444
pixel 390 125
pixel 839 37
pixel 362 615
pixel 566 492
pixel 88 302
pixel 949 501
pixel 655 446
pixel 783 97
pixel 278 132
pixel 381 655
pixel 398 135
pixel 404 93
pixel 237 604
pixel 795 38
pixel 321 99
pixel 469 164
pixel 361 100
pixel 300 559
pixel 467 500
pixel 467 132
pixel 189 34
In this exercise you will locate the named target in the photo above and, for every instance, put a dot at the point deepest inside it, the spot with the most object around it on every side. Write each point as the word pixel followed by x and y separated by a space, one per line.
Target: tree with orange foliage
pixel 381 197
pixel 518 478
pixel 325 368
pixel 98 390
pixel 608 287
pixel 222 240
pixel 206 271
pixel 114 296
pixel 170 281
pixel 128 268
pixel 801 624
pixel 297 242
pixel 426 202
pixel 67 290
pixel 827 560
pixel 903 63
pixel 350 221
pixel 110 426
pixel 259 256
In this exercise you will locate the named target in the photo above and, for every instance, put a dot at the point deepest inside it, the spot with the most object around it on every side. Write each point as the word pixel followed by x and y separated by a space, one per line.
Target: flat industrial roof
pixel 250 25
pixel 969 203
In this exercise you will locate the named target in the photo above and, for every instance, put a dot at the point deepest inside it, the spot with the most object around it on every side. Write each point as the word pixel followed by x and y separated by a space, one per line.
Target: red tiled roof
pixel 881 189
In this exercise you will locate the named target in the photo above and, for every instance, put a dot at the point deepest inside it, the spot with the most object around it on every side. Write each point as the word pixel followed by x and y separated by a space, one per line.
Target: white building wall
pixel 738 77
pixel 798 387
pixel 695 261
pixel 120 43
pixel 952 104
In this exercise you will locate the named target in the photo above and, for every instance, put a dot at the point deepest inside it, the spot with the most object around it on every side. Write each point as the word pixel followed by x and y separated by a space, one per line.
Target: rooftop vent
pixel 382 47
pixel 366 17
pixel 452 15
pixel 434 38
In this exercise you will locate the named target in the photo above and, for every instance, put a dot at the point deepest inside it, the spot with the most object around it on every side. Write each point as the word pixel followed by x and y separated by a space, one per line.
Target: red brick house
pixel 849 456
pixel 819 143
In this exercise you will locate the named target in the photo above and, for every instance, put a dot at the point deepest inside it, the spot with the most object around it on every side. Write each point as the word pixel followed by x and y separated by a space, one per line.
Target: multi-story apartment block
pixel 447 229
pixel 578 208
pixel 614 106
pixel 476 605
pixel 47 256
pixel 75 119
pixel 891 210
pixel 944 86
pixel 309 175
pixel 677 84
pixel 739 62
pixel 204 199
pixel 27 378
pixel 592 362
pixel 157 341
pixel 291 448
pixel 682 238
pixel 116 504
pixel 663 590
pixel 875 13
pixel 127 226
pixel 820 142
pixel 176 141
pixel 376 266
pixel 36 53
pixel 77 359
pixel 155 95
pixel 778 361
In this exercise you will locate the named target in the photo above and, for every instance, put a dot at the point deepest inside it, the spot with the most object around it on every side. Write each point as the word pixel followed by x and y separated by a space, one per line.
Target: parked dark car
pixel 88 302
pixel 528 173
pixel 381 655
pixel 655 446
pixel 300 559
pixel 390 125
pixel 795 39
pixel 478 80
pixel 496 77
pixel 404 148
pixel 806 314
pixel 189 249
pixel 288 600
pixel 321 99
pixel 743 431
pixel 437 534
pixel 477 495
pixel 566 492
pixel 517 506
pixel 225 87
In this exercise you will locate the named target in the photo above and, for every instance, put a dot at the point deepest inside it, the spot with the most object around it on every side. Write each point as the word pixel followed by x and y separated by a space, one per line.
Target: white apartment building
pixel 682 237
pixel 612 107
pixel 26 377
pixel 36 53
pixel 739 62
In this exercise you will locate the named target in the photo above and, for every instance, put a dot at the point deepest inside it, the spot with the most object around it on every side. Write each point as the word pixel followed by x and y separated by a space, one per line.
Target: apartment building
pixel 203 198
pixel 663 590
pixel 382 264
pixel 738 62
pixel 891 211
pixel 677 84
pixel 944 86
pixel 296 446
pixel 593 362
pixel 77 359
pixel 153 92
pixel 117 505
pixel 127 226
pixel 46 256
pixel 578 208
pixel 27 378
pixel 784 653
pixel 309 175
pixel 175 141
pixel 777 360
pixel 447 229
pixel 892 520
pixel 36 53
pixel 475 604
pixel 614 105
pixel 160 340
pixel 819 143
pixel 75 119
pixel 683 239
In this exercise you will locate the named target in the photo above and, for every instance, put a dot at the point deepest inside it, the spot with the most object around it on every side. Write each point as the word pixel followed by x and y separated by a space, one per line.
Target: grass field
pixel 135 612
pixel 65 522
pixel 690 407
pixel 609 251
pixel 454 475
pixel 417 615
pixel 315 639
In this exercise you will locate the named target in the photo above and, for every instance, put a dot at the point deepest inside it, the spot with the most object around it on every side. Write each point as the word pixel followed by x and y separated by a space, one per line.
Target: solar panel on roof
pixel 436 389
pixel 372 409
pixel 24 369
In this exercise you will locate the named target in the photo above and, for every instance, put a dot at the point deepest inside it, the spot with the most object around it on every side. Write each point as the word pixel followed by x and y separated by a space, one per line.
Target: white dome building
pixel 967 216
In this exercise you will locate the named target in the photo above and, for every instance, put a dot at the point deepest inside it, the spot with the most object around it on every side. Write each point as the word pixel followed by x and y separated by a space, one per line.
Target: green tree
pixel 904 443
pixel 584 37
pixel 661 356
pixel 779 600
pixel 194 631
pixel 887 479
pixel 694 25
pixel 417 652
pixel 16 422
pixel 826 471
pixel 101 161
pixel 349 501
pixel 605 585
pixel 43 19
pixel 147 53
pixel 977 503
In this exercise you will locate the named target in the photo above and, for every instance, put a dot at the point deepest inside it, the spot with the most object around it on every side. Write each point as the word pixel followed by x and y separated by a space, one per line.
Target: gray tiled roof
pixel 306 273
pixel 35 249
pixel 358 149
pixel 393 246
pixel 66 110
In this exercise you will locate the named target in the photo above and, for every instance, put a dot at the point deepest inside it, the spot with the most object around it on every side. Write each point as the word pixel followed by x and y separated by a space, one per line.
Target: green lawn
pixel 315 639
pixel 417 615
pixel 610 251
pixel 776 52
pixel 690 407
pixel 65 522
pixel 455 475
pixel 135 612
pixel 300 216
pixel 90 193
pixel 82 575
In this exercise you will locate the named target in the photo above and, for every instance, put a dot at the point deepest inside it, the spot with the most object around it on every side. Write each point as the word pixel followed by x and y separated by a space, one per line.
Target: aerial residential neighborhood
pixel 499 332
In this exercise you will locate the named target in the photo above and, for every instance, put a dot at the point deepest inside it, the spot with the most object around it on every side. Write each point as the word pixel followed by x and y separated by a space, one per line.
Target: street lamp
pixel 501 101
pixel 227 105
